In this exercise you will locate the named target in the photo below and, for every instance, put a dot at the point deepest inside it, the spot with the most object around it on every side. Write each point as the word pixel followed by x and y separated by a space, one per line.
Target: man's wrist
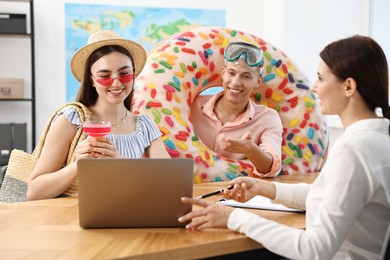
pixel 251 149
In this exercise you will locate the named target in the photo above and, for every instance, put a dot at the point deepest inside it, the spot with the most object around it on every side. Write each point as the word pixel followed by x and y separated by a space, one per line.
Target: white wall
pixel 379 24
pixel 311 25
pixel 301 28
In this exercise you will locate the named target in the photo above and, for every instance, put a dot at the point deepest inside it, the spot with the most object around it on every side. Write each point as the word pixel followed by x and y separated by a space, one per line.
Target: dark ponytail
pixel 386 113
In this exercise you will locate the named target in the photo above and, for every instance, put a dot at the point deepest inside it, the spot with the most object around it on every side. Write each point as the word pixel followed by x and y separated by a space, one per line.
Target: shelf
pixel 16 1
pixel 15 35
pixel 15 99
pixel 30 36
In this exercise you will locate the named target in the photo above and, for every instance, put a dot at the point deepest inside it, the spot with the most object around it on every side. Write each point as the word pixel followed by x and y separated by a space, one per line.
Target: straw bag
pixel 21 164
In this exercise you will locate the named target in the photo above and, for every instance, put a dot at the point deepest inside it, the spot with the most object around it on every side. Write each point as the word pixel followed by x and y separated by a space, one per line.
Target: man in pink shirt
pixel 231 124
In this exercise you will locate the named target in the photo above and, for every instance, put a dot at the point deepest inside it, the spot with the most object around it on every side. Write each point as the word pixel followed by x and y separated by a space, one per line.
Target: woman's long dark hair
pixel 361 58
pixel 87 94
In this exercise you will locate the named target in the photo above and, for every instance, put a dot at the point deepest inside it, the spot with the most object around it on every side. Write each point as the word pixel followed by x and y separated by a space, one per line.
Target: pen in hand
pixel 213 193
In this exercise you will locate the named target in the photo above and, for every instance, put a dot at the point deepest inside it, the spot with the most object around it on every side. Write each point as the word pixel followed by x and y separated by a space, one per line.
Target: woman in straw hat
pixel 106 68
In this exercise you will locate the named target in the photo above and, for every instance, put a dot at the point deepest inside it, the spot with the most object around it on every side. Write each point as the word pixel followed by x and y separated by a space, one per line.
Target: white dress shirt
pixel 347 206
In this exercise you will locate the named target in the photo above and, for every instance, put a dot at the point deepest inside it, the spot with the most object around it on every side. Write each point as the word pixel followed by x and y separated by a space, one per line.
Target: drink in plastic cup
pixel 97 128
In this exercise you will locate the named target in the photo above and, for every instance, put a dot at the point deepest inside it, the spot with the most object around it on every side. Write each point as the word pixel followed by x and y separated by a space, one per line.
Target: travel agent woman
pixel 348 205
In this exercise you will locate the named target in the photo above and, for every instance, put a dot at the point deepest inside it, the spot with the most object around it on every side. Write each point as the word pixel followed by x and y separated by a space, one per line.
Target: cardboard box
pixel 13 23
pixel 11 88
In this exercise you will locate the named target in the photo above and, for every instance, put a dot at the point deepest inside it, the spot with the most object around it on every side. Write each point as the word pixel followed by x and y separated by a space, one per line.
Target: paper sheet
pixel 258 202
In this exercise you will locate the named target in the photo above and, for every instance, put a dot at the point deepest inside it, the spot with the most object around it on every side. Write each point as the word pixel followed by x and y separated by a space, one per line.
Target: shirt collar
pixel 373 124
pixel 208 109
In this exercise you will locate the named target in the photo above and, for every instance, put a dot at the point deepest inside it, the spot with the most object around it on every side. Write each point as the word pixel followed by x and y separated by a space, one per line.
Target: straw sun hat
pixel 104 38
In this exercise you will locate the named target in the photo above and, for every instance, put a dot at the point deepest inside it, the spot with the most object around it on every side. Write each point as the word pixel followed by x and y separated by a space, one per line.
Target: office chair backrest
pixel 3 169
pixel 385 255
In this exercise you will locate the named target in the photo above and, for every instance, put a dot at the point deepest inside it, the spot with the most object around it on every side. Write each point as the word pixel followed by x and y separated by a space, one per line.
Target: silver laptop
pixel 118 193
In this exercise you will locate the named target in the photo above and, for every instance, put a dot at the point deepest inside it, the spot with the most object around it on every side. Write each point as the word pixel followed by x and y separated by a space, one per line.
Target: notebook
pixel 258 202
pixel 120 193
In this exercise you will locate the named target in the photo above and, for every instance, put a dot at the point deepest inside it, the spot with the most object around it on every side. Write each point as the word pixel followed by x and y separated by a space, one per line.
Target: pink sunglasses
pixel 124 79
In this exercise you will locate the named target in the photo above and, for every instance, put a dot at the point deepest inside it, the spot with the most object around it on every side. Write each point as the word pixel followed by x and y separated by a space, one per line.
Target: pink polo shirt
pixel 262 122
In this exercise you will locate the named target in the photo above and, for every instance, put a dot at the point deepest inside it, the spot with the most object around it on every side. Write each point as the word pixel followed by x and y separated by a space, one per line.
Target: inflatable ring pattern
pixel 185 64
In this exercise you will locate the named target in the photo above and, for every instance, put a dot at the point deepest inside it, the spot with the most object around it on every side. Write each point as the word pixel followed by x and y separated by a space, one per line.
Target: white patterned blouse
pixel 130 145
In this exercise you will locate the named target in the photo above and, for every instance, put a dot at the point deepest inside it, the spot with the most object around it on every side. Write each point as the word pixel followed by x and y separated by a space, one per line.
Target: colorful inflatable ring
pixel 185 64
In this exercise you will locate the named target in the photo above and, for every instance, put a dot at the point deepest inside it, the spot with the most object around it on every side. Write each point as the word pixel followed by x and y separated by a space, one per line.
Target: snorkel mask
pixel 253 56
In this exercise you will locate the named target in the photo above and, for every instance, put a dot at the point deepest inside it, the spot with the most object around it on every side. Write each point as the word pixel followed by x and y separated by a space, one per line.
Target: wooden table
pixel 49 229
